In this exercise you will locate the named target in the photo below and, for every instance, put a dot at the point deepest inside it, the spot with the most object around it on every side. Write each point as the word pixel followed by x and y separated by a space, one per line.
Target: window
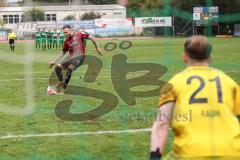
pixel 48 17
pixel 16 18
pixel 10 19
pixel 51 17
pixel 5 19
pixel 54 17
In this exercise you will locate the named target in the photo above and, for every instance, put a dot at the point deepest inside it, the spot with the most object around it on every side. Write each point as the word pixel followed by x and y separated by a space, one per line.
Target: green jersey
pixel 61 35
pixel 43 35
pixel 38 35
pixel 49 35
pixel 55 35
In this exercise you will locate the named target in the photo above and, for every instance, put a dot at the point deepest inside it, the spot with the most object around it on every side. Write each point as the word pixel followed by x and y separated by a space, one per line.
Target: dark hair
pixel 67 26
pixel 198 48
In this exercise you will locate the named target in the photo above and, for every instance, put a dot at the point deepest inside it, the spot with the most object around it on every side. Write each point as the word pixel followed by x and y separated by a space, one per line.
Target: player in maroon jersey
pixel 75 44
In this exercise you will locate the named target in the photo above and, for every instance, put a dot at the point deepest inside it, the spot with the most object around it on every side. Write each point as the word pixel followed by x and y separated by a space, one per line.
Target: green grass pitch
pixel 17 81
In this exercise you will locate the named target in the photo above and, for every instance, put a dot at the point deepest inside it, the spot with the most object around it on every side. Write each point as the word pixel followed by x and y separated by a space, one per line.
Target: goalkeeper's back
pixel 211 100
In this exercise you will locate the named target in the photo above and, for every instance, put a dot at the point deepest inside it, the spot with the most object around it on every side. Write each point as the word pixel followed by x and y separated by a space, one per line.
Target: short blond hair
pixel 198 48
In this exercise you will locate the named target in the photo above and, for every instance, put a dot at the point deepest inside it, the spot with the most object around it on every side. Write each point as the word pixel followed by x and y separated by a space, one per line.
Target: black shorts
pixel 75 61
pixel 11 41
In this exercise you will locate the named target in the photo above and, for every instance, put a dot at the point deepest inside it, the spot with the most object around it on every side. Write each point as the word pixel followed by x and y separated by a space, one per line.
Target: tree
pixel 3 3
pixel 34 14
pixel 187 5
pixel 232 6
pixel 1 23
pixel 52 1
pixel 90 15
pixel 145 4
pixel 79 1
pixel 70 17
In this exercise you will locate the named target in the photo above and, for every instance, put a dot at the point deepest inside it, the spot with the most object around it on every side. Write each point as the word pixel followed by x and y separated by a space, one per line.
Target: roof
pixel 63 8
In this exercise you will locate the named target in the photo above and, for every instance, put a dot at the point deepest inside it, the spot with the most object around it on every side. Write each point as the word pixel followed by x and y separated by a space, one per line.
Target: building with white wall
pixel 12 15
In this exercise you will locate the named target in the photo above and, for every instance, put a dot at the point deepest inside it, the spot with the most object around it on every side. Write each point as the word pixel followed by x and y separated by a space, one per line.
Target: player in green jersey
pixel 37 39
pixel 61 39
pixel 44 39
pixel 55 37
pixel 49 39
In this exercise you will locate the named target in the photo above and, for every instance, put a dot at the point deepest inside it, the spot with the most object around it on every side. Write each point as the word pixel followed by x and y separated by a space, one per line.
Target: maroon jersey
pixel 76 44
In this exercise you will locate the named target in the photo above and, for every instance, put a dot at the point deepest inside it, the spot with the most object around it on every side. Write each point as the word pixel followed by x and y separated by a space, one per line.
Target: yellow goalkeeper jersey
pixel 12 35
pixel 205 116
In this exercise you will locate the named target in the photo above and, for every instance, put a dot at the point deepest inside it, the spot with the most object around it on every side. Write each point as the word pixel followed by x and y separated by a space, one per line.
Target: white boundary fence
pixel 101 27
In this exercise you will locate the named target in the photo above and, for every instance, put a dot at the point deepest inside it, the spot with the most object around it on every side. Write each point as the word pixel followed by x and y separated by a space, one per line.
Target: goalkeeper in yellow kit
pixel 202 106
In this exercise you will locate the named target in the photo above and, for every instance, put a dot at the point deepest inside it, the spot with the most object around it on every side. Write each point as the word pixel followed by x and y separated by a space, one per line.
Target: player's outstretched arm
pixel 95 43
pixel 59 56
pixel 160 130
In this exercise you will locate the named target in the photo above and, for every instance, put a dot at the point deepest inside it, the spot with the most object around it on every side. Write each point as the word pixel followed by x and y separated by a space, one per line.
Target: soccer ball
pixel 51 90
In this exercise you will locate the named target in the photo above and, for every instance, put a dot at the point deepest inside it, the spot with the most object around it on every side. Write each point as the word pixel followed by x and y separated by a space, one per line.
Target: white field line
pixel 50 71
pixel 23 79
pixel 24 136
pixel 46 78
pixel 21 73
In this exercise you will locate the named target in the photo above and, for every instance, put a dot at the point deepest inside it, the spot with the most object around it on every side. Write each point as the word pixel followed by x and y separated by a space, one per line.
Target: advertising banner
pixel 153 22
pixel 3 35
pixel 110 27
pixel 113 23
pixel 83 24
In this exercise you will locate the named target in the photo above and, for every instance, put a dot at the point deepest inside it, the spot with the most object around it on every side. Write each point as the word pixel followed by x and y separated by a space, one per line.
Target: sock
pixel 67 79
pixel 13 48
pixel 58 71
